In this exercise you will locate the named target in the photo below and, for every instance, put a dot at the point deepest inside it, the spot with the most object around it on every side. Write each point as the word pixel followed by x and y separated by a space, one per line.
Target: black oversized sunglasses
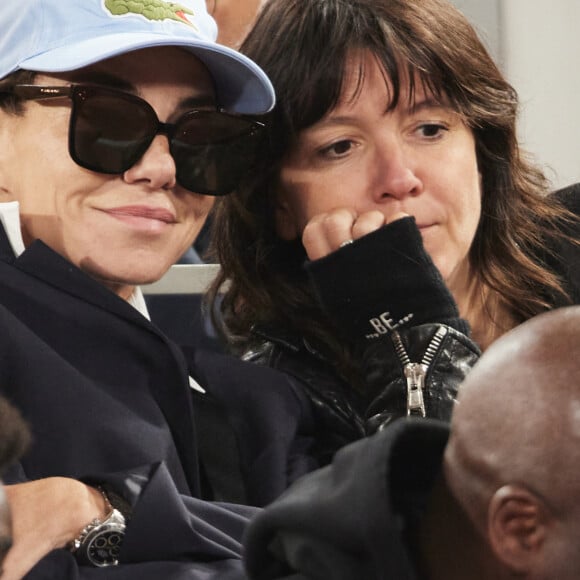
pixel 110 130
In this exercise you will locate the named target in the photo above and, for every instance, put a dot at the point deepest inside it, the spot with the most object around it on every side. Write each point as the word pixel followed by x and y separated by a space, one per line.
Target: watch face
pixel 103 548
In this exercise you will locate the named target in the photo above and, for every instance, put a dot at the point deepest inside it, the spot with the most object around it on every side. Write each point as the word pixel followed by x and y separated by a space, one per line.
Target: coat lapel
pixel 169 380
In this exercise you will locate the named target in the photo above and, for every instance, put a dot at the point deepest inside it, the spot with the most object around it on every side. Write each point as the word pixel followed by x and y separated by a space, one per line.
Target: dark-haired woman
pixel 393 227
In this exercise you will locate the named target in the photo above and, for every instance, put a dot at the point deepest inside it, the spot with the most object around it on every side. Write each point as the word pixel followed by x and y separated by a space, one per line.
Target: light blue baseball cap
pixel 63 35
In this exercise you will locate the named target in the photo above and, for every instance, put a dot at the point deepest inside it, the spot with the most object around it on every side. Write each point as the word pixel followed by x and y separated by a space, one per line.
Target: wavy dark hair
pixel 303 46
pixel 8 101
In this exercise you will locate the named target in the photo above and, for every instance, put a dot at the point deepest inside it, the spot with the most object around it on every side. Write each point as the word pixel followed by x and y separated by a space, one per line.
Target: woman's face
pixel 362 165
pixel 123 229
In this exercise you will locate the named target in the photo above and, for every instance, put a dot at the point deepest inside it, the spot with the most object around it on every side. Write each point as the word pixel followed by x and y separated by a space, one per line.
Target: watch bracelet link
pixel 114 518
pixel 77 542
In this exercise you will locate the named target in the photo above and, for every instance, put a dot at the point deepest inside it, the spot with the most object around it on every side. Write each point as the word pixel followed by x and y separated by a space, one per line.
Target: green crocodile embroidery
pixel 150 9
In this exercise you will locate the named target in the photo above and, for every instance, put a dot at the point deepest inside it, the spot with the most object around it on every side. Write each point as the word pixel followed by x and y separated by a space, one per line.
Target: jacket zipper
pixel 415 373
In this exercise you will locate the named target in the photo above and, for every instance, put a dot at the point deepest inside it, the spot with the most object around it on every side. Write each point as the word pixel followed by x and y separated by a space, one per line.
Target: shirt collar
pixel 10 218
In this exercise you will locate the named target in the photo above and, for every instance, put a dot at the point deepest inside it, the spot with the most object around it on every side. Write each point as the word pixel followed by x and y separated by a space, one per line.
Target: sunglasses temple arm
pixel 38 93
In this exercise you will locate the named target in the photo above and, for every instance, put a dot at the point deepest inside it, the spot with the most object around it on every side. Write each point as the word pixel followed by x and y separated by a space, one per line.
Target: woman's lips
pixel 426 229
pixel 139 211
pixel 425 225
pixel 143 218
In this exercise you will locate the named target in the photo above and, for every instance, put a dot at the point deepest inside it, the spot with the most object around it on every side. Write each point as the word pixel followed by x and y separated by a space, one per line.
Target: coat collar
pixel 43 263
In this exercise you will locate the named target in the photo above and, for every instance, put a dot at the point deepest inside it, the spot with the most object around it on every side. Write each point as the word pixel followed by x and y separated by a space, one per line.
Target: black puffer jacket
pixel 343 415
pixel 414 368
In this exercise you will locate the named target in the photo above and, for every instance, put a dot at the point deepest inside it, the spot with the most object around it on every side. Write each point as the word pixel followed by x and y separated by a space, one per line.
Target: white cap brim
pixel 242 87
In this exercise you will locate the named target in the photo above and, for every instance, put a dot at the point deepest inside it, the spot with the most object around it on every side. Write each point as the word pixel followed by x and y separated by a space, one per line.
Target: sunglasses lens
pixel 213 151
pixel 109 131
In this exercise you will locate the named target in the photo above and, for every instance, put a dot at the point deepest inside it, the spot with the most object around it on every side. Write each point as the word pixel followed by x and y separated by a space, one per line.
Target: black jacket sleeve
pixel 170 535
pixel 391 303
pixel 79 431
pixel 351 519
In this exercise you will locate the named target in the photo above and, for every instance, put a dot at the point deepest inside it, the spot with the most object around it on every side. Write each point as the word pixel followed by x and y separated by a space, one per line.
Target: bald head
pixel 518 412
pixel 516 429
pixel 537 356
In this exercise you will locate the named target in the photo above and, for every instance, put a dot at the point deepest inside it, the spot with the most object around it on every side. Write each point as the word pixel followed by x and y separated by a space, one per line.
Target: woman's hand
pixel 47 514
pixel 327 232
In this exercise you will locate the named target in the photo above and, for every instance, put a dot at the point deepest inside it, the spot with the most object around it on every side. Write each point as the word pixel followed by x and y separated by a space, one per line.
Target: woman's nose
pixel 394 171
pixel 156 167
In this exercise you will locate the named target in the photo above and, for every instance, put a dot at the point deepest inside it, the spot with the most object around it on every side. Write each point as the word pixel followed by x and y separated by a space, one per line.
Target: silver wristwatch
pixel 100 541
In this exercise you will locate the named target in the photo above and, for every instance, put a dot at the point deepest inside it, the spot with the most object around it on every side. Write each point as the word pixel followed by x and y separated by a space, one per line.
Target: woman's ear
pixel 518 524
pixel 286 225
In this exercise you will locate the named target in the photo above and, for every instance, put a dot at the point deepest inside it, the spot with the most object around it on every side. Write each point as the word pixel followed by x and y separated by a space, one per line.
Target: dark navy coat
pixel 108 400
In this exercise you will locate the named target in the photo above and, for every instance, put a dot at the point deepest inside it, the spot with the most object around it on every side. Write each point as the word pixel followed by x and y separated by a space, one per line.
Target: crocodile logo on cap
pixel 150 9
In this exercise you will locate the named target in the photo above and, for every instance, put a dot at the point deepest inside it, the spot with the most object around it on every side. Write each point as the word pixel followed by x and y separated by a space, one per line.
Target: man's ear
pixel 518 524
pixel 286 223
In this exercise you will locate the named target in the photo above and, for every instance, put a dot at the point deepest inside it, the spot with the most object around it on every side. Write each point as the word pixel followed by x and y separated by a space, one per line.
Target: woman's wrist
pixel 88 505
pixel 383 282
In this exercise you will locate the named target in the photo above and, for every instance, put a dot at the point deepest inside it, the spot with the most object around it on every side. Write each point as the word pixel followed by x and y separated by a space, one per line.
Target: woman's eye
pixel 337 149
pixel 431 130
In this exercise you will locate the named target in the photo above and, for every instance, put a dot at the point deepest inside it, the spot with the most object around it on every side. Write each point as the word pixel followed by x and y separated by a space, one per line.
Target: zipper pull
pixel 415 375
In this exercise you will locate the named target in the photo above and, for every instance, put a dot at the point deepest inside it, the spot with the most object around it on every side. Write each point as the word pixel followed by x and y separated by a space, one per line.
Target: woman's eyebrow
pixel 426 104
pixel 198 102
pixel 411 108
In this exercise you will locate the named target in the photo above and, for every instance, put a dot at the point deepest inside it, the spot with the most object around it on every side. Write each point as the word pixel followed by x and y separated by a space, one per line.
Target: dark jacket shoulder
pixel 316 530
